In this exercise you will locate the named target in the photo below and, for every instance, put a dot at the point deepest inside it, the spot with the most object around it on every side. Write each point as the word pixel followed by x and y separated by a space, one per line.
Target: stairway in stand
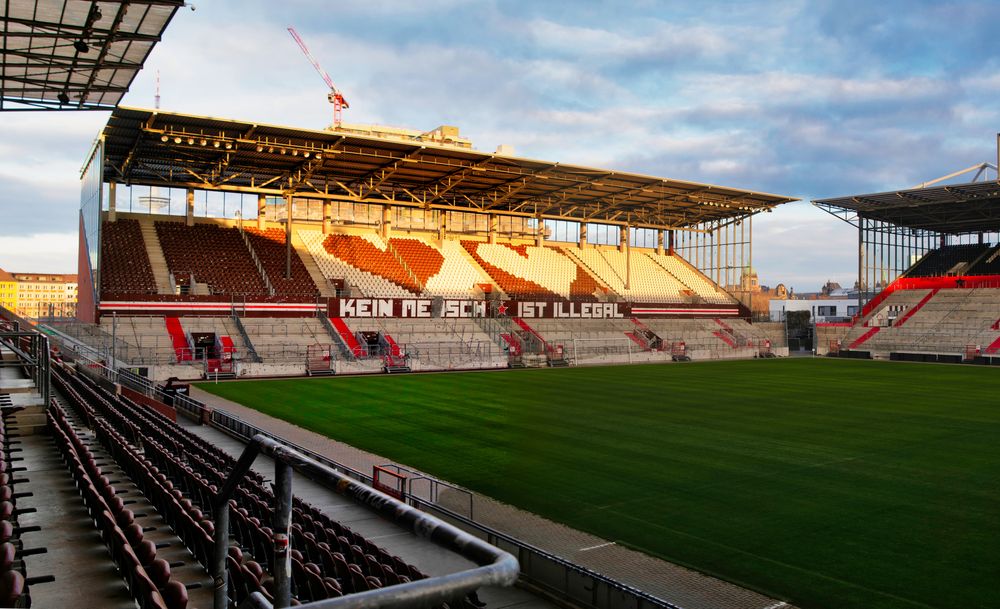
pixel 156 259
pixel 326 290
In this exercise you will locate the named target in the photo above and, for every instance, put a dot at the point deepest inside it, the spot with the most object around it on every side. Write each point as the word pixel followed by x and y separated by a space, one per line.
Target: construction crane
pixel 335 96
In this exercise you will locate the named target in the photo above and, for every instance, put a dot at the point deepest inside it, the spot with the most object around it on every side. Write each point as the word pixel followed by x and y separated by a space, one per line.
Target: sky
pixel 806 99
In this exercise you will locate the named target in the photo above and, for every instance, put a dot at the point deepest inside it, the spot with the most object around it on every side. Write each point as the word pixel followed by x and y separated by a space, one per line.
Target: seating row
pixel 270 247
pixel 125 267
pixel 950 259
pixel 215 255
pixel 13 585
pixel 147 577
pixel 163 457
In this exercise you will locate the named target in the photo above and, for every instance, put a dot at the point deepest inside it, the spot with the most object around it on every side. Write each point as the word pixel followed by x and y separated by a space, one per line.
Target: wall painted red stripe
pixel 994 346
pixel 725 338
pixel 346 335
pixel 864 337
pixel 915 308
pixel 178 338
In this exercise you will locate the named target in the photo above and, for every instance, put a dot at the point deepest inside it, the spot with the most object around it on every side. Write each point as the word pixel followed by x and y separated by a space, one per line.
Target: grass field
pixel 834 484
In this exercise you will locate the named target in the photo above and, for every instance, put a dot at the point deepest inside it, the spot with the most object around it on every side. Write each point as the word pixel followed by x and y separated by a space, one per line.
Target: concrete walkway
pixel 680 586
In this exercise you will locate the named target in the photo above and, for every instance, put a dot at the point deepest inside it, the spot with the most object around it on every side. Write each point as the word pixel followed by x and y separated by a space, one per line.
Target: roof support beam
pixel 519 184
pixel 447 183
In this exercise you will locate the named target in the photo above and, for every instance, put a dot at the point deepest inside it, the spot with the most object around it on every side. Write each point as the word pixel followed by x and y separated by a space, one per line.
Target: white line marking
pixel 777 605
pixel 602 545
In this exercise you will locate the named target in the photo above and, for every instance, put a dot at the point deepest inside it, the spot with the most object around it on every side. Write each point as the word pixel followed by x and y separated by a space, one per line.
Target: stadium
pixel 372 367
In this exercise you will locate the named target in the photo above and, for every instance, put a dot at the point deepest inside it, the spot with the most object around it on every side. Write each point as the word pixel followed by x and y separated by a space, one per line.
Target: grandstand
pixel 394 255
pixel 936 250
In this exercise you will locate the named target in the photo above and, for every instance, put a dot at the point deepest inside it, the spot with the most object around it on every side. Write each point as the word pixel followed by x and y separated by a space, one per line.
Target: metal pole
pixel 288 237
pixel 861 264
pixel 219 572
pixel 114 337
pixel 282 526
pixel 47 374
pixel 628 258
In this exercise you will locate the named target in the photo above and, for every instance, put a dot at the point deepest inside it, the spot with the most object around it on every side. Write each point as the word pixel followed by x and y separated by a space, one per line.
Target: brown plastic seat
pixel 175 595
pixel 11 588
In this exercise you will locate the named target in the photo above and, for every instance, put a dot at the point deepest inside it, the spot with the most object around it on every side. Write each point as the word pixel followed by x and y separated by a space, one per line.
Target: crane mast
pixel 335 97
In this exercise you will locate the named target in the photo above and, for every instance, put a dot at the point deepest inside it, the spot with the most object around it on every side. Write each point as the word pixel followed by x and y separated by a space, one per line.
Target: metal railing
pixel 495 566
pixel 31 348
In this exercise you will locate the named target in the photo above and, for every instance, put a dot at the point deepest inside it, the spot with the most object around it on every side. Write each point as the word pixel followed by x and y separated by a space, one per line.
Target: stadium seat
pixel 178 472
pixel 125 268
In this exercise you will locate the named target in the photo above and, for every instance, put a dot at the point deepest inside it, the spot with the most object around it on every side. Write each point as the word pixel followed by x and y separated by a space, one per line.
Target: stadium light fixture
pixel 81 46
pixel 216 143
pixel 229 145
pixel 283 151
pixel 295 152
pixel 270 149
pixel 190 141
pixel 63 97
pixel 177 140
pixel 305 154
pixel 204 141
pixel 319 157
pixel 164 139
pixel 260 148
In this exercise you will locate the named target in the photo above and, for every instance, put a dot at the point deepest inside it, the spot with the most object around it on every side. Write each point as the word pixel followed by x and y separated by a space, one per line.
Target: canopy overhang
pixel 76 54
pixel 149 147
pixel 954 209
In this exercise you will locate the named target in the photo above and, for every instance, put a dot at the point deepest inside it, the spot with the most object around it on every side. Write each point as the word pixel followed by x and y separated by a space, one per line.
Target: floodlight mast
pixel 334 96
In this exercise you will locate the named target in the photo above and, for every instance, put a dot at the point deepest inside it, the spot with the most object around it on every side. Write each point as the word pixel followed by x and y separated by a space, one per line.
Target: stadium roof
pixel 953 209
pixel 75 54
pixel 166 149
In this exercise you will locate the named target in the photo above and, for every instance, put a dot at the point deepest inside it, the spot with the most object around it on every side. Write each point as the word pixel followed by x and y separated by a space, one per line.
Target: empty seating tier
pixel 357 280
pixel 215 255
pixel 988 264
pixel 646 280
pixel 530 272
pixel 179 473
pixel 270 248
pixel 700 285
pixel 948 260
pixel 125 268
pixel 369 253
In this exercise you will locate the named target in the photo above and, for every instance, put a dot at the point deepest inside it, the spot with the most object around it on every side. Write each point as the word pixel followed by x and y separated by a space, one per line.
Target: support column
pixel 442 225
pixel 288 236
pixel 261 213
pixel 113 202
pixel 623 240
pixel 628 259
pixel 540 235
pixel 659 242
pixel 583 234
pixel 862 288
pixel 386 229
pixel 493 225
pixel 189 213
pixel 282 534
pixel 327 220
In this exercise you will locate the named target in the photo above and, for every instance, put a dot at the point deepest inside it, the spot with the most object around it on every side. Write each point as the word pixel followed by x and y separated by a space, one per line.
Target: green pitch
pixel 835 484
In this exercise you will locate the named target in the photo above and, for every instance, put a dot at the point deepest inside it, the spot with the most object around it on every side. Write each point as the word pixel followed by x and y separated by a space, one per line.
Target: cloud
pixel 39 252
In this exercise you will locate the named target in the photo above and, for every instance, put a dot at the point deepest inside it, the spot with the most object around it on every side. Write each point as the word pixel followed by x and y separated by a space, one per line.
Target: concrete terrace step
pixel 158 262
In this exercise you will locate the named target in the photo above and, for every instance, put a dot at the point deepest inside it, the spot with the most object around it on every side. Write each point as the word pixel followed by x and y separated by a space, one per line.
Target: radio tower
pixel 334 96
